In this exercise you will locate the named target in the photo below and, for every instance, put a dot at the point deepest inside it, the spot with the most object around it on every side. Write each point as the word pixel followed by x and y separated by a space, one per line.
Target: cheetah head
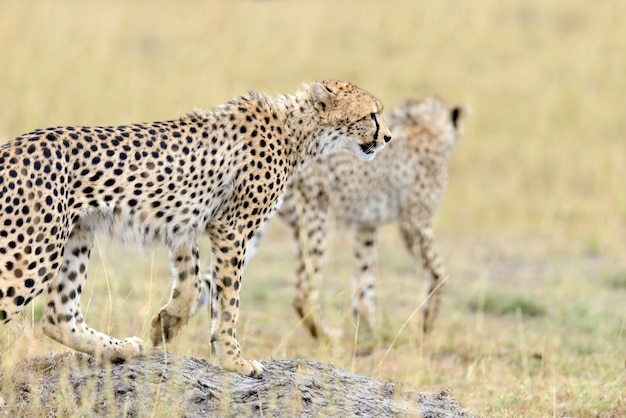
pixel 446 119
pixel 351 118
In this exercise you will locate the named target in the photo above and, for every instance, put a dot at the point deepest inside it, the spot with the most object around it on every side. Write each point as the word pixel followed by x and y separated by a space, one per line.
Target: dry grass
pixel 535 214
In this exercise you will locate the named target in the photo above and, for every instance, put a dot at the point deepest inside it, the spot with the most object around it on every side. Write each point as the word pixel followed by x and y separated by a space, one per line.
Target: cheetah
pixel 404 183
pixel 218 173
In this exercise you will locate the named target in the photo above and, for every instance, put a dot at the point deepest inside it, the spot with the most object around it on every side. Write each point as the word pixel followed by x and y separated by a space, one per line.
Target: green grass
pixel 533 220
pixel 503 304
pixel 616 280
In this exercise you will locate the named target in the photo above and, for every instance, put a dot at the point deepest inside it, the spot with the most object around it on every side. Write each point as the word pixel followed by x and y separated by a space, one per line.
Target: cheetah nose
pixel 387 138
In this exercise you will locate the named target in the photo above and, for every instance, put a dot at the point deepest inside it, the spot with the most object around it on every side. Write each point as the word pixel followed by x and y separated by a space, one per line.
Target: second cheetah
pixel 404 183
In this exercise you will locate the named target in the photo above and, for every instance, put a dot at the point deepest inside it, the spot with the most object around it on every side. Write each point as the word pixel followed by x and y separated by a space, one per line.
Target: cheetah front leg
pixel 185 294
pixel 229 249
pixel 419 239
pixel 363 290
pixel 309 222
pixel 63 320
pixel 207 295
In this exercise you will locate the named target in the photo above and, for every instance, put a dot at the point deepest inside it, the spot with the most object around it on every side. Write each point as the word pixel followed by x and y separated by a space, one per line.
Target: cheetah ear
pixel 458 115
pixel 455 116
pixel 322 95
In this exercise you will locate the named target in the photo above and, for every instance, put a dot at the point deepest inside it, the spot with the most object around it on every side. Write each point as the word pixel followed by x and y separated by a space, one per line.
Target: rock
pixel 168 384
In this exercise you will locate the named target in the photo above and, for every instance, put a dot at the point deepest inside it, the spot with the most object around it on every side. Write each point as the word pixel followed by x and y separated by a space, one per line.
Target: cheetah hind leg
pixel 63 320
pixel 183 302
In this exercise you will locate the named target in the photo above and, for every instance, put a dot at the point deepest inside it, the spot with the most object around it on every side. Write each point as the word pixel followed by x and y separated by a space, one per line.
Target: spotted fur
pixel 405 183
pixel 219 172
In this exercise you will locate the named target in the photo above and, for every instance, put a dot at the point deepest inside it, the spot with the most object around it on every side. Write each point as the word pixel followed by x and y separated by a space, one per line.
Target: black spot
pixel 96 176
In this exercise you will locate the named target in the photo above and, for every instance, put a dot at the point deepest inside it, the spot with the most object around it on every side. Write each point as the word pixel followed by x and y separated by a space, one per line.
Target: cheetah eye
pixel 374 117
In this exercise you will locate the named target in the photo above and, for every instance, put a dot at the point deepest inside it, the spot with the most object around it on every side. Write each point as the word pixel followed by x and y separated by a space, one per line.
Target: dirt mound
pixel 167 384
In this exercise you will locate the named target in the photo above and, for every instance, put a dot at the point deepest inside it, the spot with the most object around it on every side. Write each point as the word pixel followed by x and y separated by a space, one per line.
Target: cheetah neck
pixel 308 134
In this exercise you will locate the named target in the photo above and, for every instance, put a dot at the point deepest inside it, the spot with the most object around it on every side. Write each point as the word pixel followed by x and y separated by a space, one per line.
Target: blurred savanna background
pixel 532 227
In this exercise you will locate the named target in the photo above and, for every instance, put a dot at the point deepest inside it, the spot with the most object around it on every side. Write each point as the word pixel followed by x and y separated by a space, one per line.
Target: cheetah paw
pixel 165 327
pixel 127 349
pixel 250 368
pixel 134 346
pixel 332 334
pixel 323 332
